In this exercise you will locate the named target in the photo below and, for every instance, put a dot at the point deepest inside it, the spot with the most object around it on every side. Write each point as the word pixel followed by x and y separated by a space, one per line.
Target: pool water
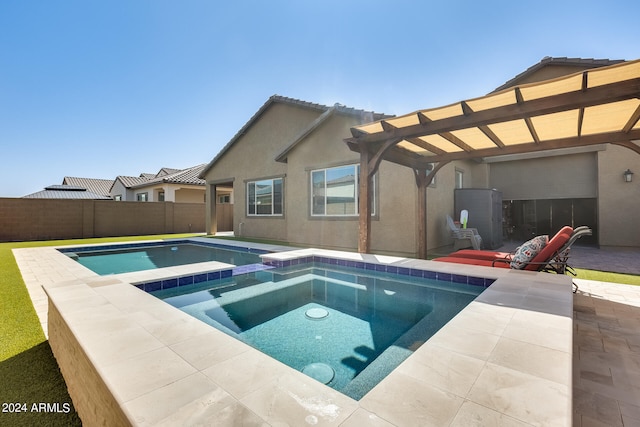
pixel 347 328
pixel 148 257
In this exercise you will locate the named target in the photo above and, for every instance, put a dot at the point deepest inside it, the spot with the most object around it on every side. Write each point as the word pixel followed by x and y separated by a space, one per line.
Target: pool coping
pixel 506 358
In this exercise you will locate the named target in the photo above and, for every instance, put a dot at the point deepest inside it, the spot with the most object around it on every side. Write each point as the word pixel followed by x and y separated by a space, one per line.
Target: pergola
pixel 596 106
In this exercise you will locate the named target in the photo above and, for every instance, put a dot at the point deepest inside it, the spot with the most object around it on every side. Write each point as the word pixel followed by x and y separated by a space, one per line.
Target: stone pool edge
pixel 487 363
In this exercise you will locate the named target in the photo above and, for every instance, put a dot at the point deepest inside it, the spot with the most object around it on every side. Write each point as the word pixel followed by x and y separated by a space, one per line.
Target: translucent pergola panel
pixel 613 74
pixel 474 138
pixel 441 143
pixel 513 132
pixel 374 127
pixel 499 99
pixel 556 126
pixel 404 121
pixel 609 117
pixel 551 87
pixel 412 147
pixel 443 112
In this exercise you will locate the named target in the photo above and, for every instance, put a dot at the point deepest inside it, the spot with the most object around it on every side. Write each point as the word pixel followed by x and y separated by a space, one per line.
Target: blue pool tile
pixel 430 275
pixel 445 277
pixel 459 278
pixel 476 281
pixel 214 275
pixel 392 269
pixel 169 283
pixel 225 274
pixel 381 267
pixel 187 280
pixel 153 286
pixel 404 271
pixel 140 286
pixel 199 278
pixel 360 264
pixel 417 273
pixel 488 282
pixel 369 266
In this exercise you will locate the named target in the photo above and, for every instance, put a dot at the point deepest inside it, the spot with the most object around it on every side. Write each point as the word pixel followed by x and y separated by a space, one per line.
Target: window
pixel 334 191
pixel 224 199
pixel 161 196
pixel 264 197
pixel 459 178
pixel 118 197
pixel 141 197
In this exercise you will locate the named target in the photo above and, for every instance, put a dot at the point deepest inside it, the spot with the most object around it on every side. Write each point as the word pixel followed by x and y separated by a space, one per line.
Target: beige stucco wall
pixel 193 194
pixel 252 157
pixel 558 177
pixel 619 201
pixel 394 225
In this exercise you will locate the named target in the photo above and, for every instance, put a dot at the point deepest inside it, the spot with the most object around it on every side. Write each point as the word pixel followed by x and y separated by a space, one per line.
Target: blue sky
pixel 105 88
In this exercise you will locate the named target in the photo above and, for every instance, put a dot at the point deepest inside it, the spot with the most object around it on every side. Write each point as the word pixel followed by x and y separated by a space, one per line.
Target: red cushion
pixel 470 253
pixel 473 261
pixel 551 248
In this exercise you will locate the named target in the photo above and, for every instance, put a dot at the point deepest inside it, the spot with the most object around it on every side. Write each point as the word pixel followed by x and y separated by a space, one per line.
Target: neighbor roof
pixel 291 101
pixel 96 185
pixel 595 106
pixel 185 176
pixel 66 192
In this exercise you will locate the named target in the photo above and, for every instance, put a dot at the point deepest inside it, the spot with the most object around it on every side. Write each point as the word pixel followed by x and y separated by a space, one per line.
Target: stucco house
pixel 168 185
pixel 294 179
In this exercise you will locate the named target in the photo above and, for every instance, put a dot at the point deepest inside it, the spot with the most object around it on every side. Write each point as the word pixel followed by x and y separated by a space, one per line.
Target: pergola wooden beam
pixel 375 146
pixel 537 107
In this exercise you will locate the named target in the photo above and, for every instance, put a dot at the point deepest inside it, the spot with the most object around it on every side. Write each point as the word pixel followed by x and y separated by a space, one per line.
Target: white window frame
pixel 142 197
pixel 255 201
pixel 356 168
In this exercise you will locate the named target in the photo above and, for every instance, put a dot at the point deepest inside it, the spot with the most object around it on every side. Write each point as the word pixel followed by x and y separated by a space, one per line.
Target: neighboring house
pixel 294 179
pixel 168 185
pixel 95 185
pixel 66 192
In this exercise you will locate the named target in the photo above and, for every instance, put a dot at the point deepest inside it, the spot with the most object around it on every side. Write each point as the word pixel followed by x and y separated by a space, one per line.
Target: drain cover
pixel 316 313
pixel 319 372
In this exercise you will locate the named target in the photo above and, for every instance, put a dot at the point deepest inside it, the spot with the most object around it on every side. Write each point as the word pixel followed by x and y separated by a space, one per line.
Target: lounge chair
pixel 553 255
pixel 464 237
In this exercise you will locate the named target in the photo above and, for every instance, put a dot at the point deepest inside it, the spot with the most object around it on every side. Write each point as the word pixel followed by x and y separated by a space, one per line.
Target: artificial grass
pixel 29 373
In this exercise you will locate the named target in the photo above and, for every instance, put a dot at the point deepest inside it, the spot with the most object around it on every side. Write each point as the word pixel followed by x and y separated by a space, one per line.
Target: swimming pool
pixel 116 259
pixel 347 327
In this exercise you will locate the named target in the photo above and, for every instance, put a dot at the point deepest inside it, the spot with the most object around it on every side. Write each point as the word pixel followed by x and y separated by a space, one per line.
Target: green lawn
pixel 28 371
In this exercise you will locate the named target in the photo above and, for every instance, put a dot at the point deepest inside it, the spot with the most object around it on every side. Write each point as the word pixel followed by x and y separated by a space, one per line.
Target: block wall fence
pixel 52 219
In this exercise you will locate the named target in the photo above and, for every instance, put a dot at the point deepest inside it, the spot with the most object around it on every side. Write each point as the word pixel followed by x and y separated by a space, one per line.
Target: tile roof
pixel 130 181
pixel 96 185
pixel 371 116
pixel 66 192
pixel 184 176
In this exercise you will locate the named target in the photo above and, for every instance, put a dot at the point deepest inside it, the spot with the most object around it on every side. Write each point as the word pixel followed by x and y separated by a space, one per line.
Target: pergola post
pixel 212 218
pixel 421 226
pixel 364 203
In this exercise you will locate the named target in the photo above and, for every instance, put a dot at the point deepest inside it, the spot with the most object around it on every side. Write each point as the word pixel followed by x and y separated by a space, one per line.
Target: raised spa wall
pixel 131 359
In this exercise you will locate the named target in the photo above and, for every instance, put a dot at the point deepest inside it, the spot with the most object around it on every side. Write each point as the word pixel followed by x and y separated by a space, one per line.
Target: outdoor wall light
pixel 628 175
